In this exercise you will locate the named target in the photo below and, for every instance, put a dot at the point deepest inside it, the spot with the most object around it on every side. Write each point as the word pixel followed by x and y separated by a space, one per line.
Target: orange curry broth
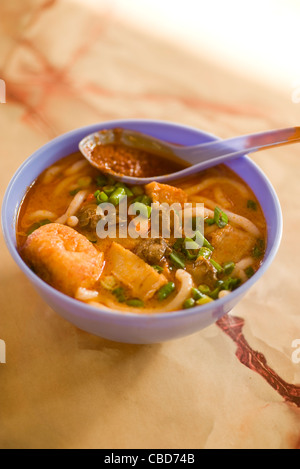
pixel 42 197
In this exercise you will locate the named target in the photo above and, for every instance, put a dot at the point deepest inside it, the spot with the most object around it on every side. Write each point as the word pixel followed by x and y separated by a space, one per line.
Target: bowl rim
pixel 124 316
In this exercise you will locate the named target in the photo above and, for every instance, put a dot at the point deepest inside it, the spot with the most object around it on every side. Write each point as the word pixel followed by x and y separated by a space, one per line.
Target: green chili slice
pixel 228 268
pixel 117 196
pixel 249 272
pixel 177 260
pixel 135 303
pixel 166 291
pixel 189 303
pixel 220 218
pixel 252 205
pixel 217 266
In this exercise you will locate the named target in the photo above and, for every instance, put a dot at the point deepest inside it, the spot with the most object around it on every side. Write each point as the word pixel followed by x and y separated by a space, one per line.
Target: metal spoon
pixel 195 158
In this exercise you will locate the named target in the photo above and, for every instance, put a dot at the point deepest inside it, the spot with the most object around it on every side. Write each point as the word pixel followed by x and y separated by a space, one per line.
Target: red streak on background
pixel 256 361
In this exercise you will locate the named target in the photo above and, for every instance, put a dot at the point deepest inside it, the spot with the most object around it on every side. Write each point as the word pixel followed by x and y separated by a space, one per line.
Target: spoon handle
pixel 234 147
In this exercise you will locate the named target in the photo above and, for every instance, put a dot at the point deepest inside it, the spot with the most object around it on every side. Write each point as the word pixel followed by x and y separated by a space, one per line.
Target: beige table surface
pixel 233 385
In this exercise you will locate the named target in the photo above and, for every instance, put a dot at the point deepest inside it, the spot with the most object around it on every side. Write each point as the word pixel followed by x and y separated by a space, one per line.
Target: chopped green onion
pixel 177 260
pixel 33 228
pixel 218 287
pixel 190 256
pixel 158 268
pixel 231 283
pixel 259 249
pixel 38 225
pixel 219 283
pixel 178 244
pixel 192 244
pixel 215 293
pixel 205 252
pixel 166 291
pixel 117 196
pixel 137 190
pixel 135 303
pixel 196 294
pixel 109 189
pixel 252 205
pixel 142 209
pixel 138 199
pixel 101 180
pixel 220 218
pixel 216 266
pixel 97 193
pixel 189 303
pixel 102 197
pixel 146 200
pixel 128 191
pixel 204 300
pixel 143 199
pixel 228 268
pixel 119 293
pixel 74 192
pixel 190 248
pixel 249 272
pixel 45 222
pixel 204 241
pixel 204 289
pixel 210 221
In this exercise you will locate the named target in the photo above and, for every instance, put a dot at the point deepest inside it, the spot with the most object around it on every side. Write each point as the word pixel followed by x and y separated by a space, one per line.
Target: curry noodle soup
pixel 58 237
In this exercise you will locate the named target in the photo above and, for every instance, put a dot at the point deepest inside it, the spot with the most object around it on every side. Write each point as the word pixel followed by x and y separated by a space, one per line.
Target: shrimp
pixel 63 258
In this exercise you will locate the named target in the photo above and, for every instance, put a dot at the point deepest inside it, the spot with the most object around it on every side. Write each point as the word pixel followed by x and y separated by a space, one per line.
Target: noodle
pixel 83 294
pixel 244 263
pixel 76 167
pixel 243 222
pixel 209 182
pixel 51 173
pixel 238 220
pixel 239 269
pixel 220 197
pixel 149 263
pixel 194 212
pixel 73 208
pixel 223 293
pixel 63 184
pixel 186 285
pixel 42 214
pixel 99 305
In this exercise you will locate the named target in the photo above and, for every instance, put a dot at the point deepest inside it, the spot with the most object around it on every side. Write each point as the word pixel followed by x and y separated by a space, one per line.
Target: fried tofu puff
pixel 63 258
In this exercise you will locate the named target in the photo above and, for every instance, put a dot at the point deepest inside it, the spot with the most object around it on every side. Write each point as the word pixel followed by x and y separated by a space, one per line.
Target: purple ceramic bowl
pixel 132 327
